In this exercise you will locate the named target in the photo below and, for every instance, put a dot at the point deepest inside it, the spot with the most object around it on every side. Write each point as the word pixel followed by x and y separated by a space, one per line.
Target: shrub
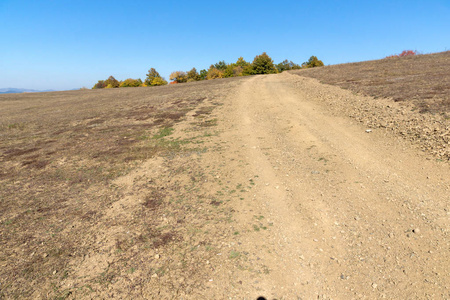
pixel 404 54
pixel 131 82
pixel 158 81
pixel 112 82
pixel 228 72
pixel 99 85
pixel 193 75
pixel 313 62
pixel 214 73
pixel 178 76
pixel 263 64
pixel 248 70
pixel 408 53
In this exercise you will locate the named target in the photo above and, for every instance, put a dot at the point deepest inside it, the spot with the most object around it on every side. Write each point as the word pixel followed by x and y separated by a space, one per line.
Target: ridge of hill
pixel 19 91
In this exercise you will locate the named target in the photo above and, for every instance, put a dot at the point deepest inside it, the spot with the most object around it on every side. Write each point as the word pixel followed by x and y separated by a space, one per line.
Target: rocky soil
pixel 273 186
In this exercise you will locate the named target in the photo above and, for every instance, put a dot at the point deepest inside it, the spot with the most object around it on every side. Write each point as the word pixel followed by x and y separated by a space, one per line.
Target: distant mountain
pixel 16 91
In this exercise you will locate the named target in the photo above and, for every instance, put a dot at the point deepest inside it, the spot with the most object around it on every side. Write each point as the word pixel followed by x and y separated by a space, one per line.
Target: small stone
pixel 44 255
pixel 374 285
pixel 157 256
pixel 54 272
pixel 302 257
pixel 368 130
pixel 416 230
pixel 155 275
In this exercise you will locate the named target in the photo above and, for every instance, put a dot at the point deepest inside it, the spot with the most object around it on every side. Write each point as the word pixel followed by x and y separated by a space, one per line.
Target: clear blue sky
pixel 62 44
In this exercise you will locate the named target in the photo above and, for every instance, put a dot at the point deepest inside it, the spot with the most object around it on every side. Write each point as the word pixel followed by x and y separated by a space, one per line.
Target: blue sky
pixel 62 44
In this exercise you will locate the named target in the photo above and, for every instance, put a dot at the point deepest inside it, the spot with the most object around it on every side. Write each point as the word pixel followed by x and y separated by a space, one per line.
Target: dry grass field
pixel 423 80
pixel 60 156
pixel 226 188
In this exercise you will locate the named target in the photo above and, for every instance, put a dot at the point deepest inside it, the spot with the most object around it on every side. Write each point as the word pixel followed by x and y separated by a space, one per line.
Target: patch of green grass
pixel 234 254
pixel 256 227
pixel 236 233
pixel 163 132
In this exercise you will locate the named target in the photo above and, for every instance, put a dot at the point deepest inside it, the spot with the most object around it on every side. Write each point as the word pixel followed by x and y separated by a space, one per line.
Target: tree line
pixel 262 64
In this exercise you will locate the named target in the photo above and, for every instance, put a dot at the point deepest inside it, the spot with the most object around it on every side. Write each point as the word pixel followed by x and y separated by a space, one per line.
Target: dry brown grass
pixel 423 80
pixel 59 154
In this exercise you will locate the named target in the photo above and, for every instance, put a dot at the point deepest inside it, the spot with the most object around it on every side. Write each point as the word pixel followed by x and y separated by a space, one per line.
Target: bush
pixel 111 82
pixel 228 72
pixel 248 70
pixel 214 73
pixel 99 85
pixel 263 64
pixel 131 82
pixel 404 54
pixel 158 81
pixel 313 62
pixel 193 75
pixel 178 76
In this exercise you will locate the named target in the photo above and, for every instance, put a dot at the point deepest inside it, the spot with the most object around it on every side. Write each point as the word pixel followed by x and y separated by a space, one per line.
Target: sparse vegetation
pixel 153 78
pixel 420 79
pixel 58 184
pixel 312 63
pixel 404 54
pixel 262 64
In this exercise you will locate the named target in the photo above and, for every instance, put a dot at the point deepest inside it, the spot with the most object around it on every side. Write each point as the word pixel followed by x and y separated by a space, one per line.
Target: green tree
pixel 193 75
pixel 228 72
pixel 248 70
pixel 313 62
pixel 111 82
pixel 203 74
pixel 287 65
pixel 221 65
pixel 151 76
pixel 242 63
pixel 263 64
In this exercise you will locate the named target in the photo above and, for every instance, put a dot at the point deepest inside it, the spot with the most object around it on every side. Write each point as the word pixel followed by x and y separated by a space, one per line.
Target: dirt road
pixel 263 186
pixel 334 212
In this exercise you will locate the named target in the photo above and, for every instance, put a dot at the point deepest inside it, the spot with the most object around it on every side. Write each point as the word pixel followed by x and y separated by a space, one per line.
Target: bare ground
pixel 258 186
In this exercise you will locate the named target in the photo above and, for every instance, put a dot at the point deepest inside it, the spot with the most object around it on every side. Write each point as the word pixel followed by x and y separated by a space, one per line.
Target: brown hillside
pixel 423 80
